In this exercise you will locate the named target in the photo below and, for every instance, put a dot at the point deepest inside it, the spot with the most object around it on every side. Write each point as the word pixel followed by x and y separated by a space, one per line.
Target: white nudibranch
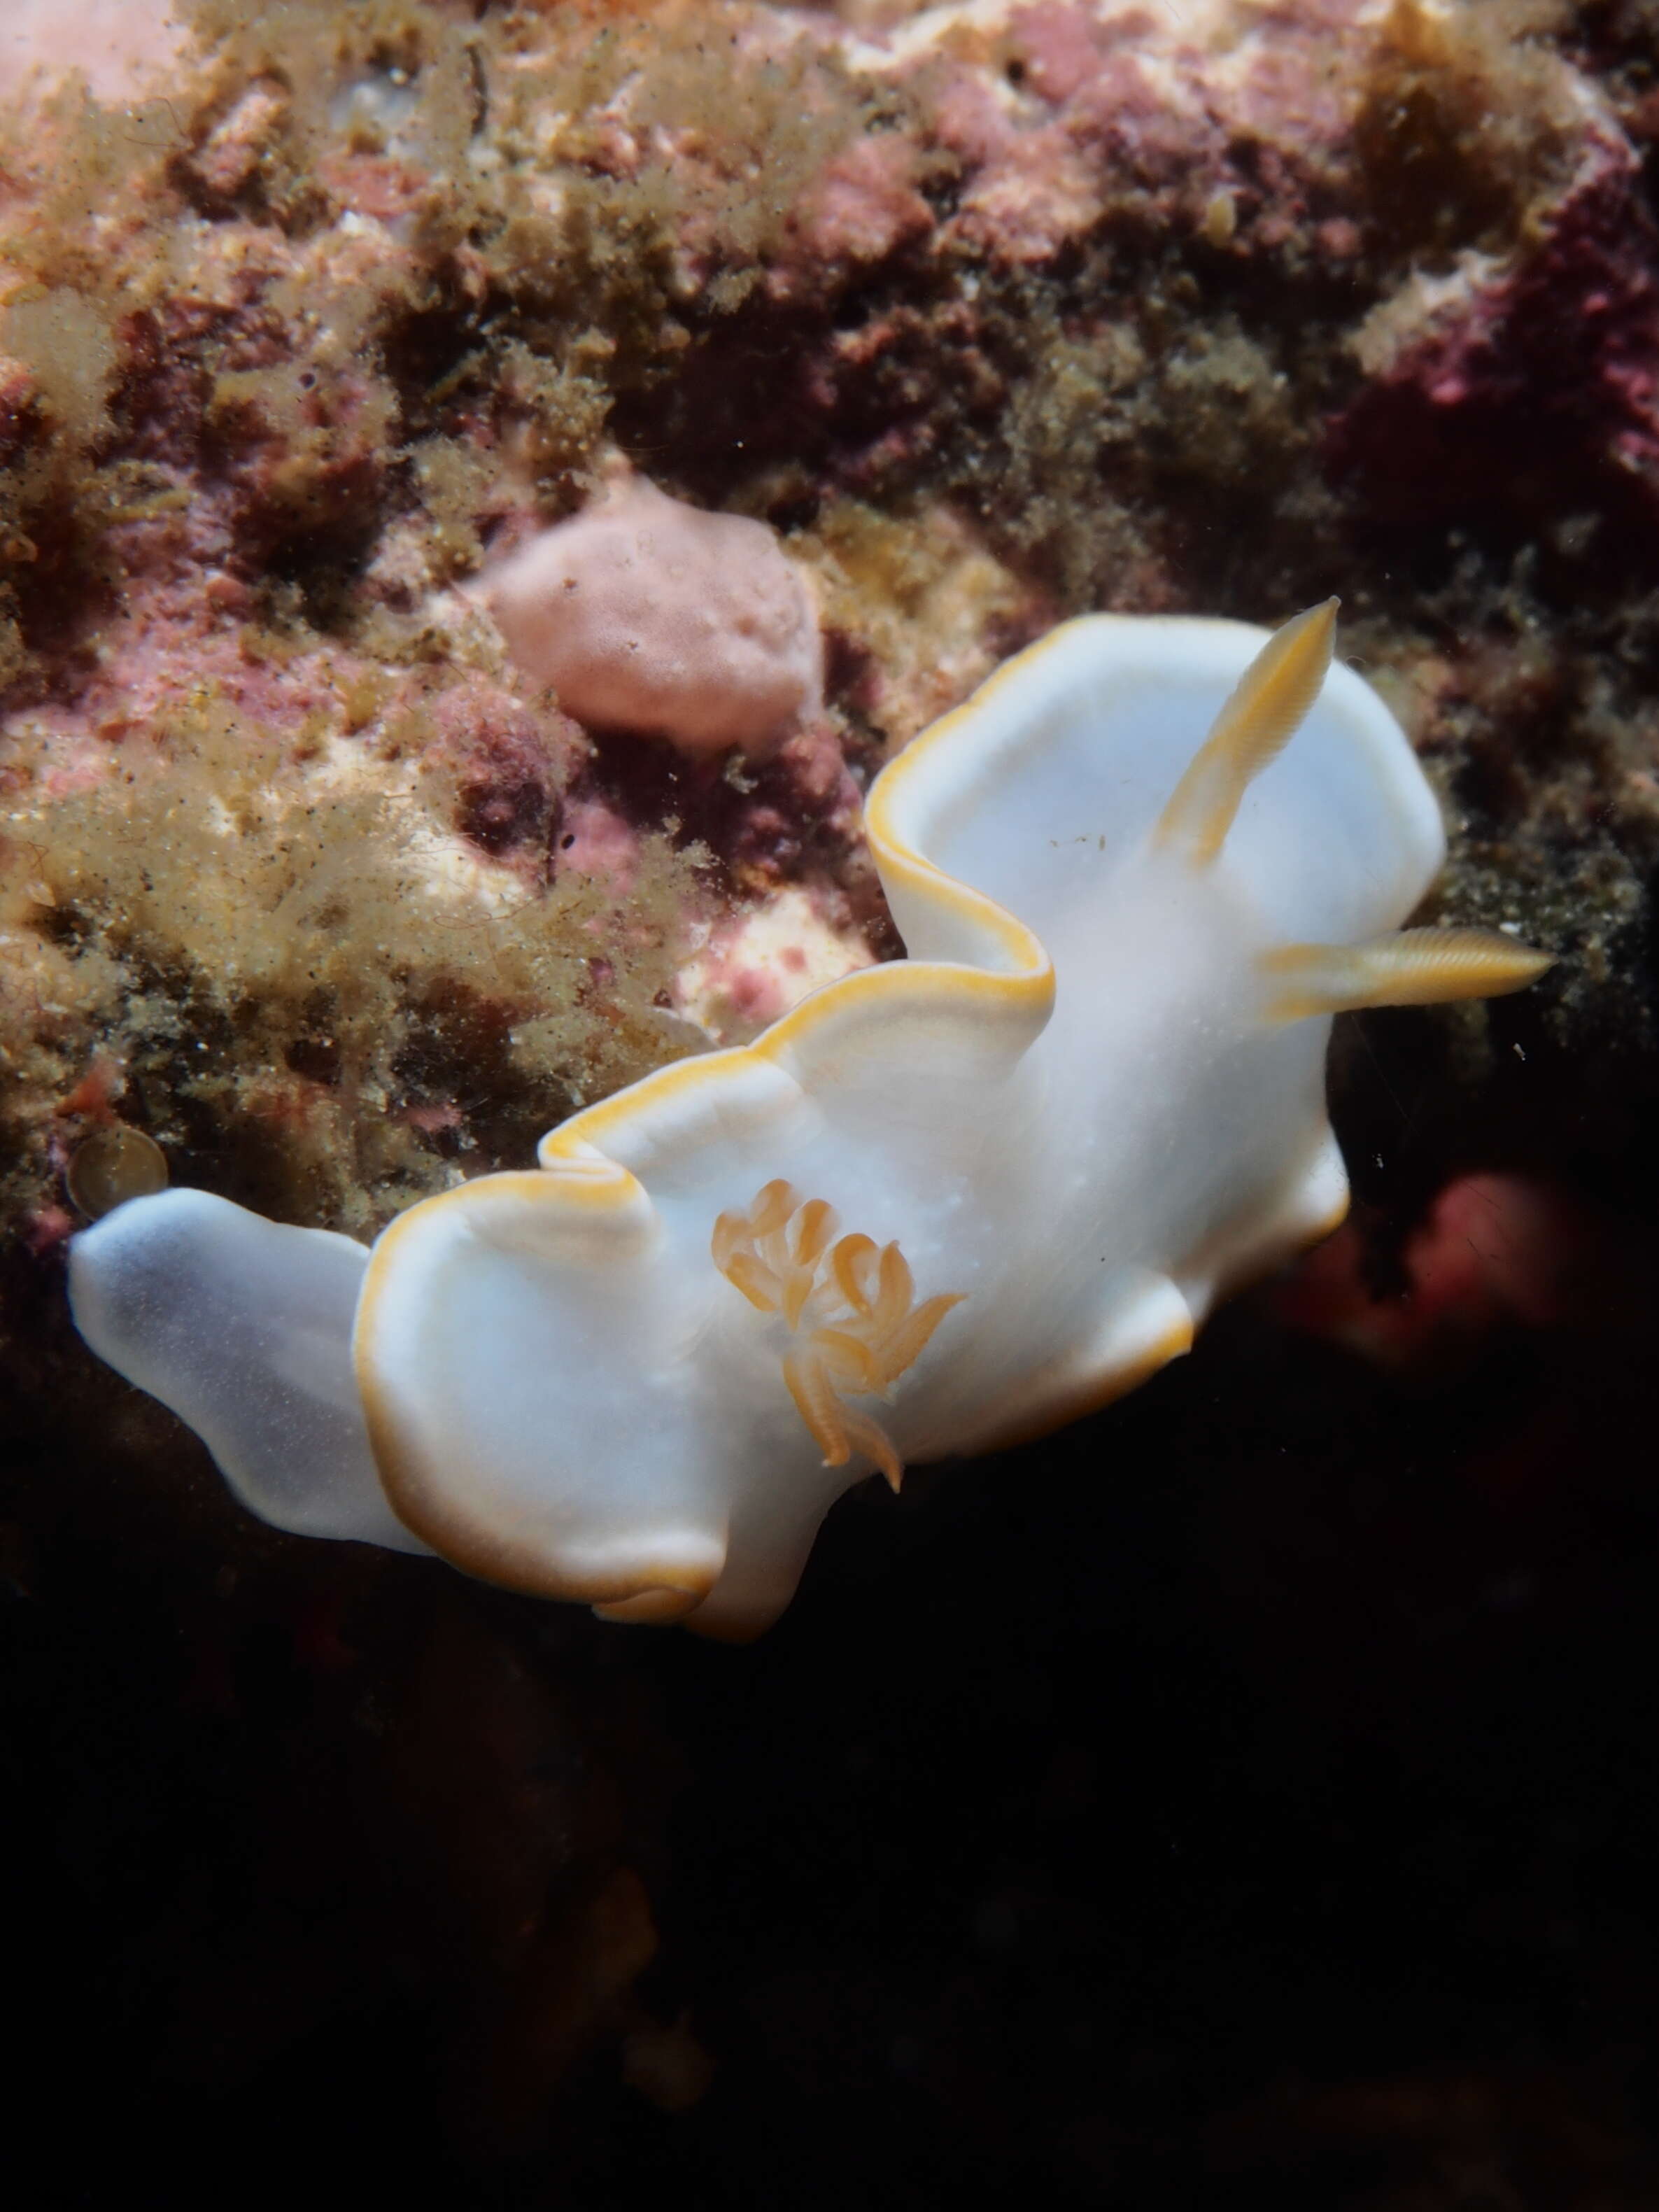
pixel 941 1205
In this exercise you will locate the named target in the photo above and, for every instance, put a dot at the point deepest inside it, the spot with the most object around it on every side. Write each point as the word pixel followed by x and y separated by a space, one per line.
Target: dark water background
pixel 1249 1796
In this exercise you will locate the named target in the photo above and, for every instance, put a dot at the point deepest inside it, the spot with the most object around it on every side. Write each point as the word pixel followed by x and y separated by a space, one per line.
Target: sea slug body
pixel 942 1203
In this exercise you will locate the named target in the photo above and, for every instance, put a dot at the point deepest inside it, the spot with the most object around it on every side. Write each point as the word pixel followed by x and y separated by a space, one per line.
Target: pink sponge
pixel 644 614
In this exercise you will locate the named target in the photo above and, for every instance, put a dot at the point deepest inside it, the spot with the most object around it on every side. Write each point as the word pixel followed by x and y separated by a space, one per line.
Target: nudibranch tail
pixel 1261 715
pixel 849 1303
pixel 1411 968
pixel 243 1327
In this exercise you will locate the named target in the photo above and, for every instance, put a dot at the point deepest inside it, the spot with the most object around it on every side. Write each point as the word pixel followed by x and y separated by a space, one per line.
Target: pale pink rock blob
pixel 123 46
pixel 645 614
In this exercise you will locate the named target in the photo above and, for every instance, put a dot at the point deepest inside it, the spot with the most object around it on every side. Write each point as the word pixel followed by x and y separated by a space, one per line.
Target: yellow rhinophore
pixel 1264 711
pixel 1410 967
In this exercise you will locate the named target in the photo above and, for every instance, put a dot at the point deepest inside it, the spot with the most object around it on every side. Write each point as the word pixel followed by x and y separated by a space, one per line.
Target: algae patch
pixel 311 991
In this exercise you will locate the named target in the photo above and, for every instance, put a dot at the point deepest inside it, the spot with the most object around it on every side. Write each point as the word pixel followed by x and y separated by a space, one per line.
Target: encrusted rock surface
pixel 990 312
pixel 994 313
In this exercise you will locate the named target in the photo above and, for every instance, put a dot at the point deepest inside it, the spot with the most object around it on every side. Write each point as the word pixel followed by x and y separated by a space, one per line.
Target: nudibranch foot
pixel 1090 1101
pixel 1146 1321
